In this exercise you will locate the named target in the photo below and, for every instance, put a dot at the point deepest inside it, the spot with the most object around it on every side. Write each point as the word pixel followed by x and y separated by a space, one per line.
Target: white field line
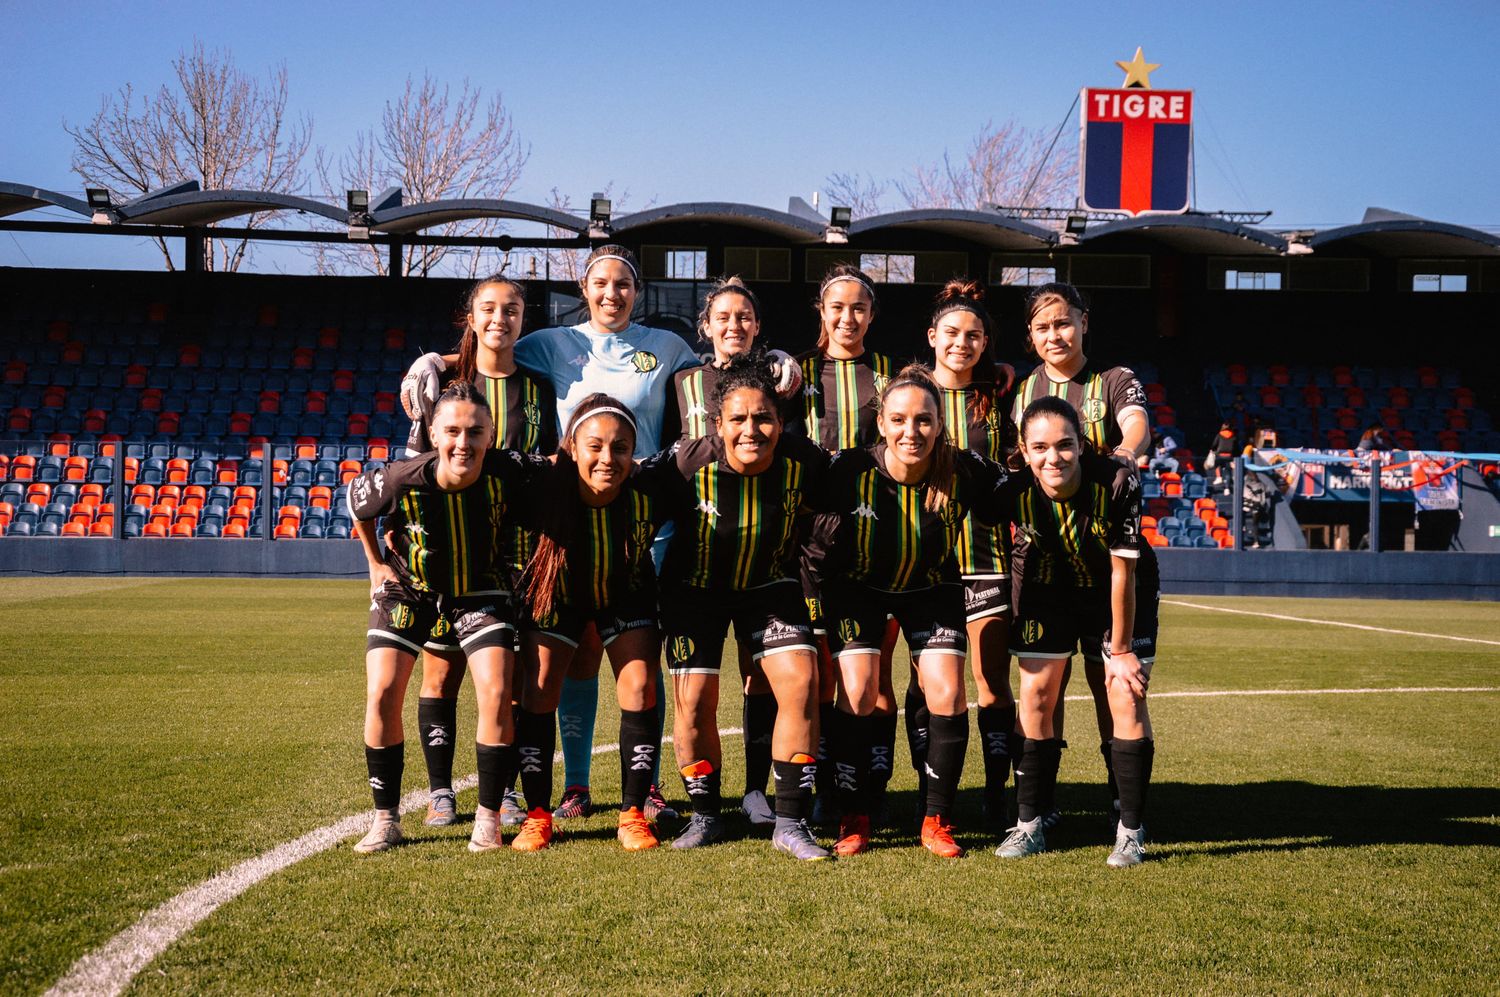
pixel 110 968
pixel 1330 623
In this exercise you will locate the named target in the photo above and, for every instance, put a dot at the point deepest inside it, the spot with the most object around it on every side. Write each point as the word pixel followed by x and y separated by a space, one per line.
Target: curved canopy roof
pixel 986 228
pixel 779 223
pixel 1193 234
pixel 16 198
pixel 1406 237
pixel 203 207
pixel 415 217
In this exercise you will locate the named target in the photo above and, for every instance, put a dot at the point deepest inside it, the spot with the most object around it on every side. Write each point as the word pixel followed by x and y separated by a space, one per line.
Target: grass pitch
pixel 156 732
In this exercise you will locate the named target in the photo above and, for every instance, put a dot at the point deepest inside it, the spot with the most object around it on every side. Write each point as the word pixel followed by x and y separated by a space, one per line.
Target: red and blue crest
pixel 1136 151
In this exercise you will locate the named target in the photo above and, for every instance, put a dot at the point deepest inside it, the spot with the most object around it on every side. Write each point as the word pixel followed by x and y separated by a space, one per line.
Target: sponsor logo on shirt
pixel 697 411
pixel 708 509
pixel 1026 533
pixel 644 361
pixel 580 360
pixel 777 630
pixel 864 511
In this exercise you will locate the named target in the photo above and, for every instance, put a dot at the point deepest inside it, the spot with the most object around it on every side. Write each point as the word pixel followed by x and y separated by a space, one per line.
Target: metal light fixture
pixel 599 215
pixel 837 232
pixel 1076 225
pixel 101 205
pixel 358 204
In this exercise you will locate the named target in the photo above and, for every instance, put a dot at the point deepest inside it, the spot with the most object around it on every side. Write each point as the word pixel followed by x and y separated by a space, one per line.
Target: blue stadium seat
pixel 301 473
pixel 1168 526
pixel 1150 487
pixel 251 471
pixel 1206 542
pixel 331 452
pixel 326 472
pixel 293 495
pixel 153 471
pixel 221 494
pixel 49 527
pixel 132 527
pixel 202 473
pixel 13 493
pixel 49 469
pixel 338 530
pixel 209 528
pixel 159 450
pixel 20 528
pixel 1180 540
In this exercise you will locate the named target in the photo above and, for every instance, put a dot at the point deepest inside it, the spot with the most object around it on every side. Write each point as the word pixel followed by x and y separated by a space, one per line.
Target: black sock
pixel 1049 788
pixel 1037 771
pixel 827 722
pixel 1109 768
pixel 536 740
pixel 437 719
pixel 997 726
pixel 1133 770
pixel 515 719
pixel 640 740
pixel 851 752
pixel 882 751
pixel 701 780
pixel 918 720
pixel 794 787
pixel 384 766
pixel 759 722
pixel 945 760
pixel 496 766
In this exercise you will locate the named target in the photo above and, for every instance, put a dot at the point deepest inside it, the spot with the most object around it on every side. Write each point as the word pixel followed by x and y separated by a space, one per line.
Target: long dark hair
pixel 468 336
pixel 840 272
pixel 562 507
pixel 940 470
pixel 963 294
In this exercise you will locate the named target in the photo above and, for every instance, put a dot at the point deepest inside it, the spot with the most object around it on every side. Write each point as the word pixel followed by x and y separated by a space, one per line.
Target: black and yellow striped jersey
pixel 609 553
pixel 691 390
pixel 734 531
pixel 878 532
pixel 1069 542
pixel 1102 398
pixel 523 407
pixel 841 399
pixel 453 542
pixel 979 420
pixel 525 413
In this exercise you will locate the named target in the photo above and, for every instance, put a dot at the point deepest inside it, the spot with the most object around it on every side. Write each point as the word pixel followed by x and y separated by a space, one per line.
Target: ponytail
pixel 964 294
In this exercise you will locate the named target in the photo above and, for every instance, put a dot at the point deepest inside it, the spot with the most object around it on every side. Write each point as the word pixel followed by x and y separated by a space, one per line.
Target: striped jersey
pixel 734 531
pixel 987 429
pixel 525 414
pixel 692 389
pixel 1102 399
pixel 841 398
pixel 1069 542
pixel 879 532
pixel 609 553
pixel 453 541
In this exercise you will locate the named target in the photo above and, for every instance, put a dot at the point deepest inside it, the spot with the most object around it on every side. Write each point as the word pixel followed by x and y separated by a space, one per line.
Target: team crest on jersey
pixel 441 628
pixel 1031 631
pixel 642 534
pixel 682 649
pixel 791 501
pixel 881 380
pixel 644 361
pixel 402 617
pixel 950 514
pixel 1094 409
pixel 533 414
pixel 848 630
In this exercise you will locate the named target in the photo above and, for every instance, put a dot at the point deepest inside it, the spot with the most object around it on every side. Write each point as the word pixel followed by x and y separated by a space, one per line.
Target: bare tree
pixel 1005 164
pixel 861 193
pixel 218 126
pixel 433 145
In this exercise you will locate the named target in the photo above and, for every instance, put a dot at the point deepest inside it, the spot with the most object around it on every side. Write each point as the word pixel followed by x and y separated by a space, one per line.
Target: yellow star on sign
pixel 1137 71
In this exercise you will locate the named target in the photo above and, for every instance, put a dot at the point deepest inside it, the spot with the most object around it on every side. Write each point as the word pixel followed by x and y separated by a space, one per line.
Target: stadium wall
pixel 1306 574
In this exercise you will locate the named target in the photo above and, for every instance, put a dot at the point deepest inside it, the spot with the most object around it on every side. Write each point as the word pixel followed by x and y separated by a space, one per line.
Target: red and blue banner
pixel 1136 151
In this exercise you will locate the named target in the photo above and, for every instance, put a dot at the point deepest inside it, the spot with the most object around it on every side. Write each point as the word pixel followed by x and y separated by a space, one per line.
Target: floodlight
pixel 101 205
pixel 840 217
pixel 359 201
pixel 1076 224
pixel 599 215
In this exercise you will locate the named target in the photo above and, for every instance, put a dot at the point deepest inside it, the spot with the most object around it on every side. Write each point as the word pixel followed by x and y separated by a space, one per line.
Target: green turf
pixel 157 732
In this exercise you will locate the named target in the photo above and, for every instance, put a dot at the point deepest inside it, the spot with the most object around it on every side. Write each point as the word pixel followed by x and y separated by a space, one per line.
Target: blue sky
pixel 1311 110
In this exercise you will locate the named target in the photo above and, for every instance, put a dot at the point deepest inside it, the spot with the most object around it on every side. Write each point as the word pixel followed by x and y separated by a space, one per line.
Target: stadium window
pixel 1440 282
pixel 1252 280
pixel 889 268
pixel 1022 269
pixel 758 262
pixel 674 262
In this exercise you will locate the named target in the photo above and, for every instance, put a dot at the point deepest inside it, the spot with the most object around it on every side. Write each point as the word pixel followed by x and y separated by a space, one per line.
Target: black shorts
pixel 767 620
pixel 932 619
pixel 1054 622
pixel 986 596
pixel 403 617
pixel 567 623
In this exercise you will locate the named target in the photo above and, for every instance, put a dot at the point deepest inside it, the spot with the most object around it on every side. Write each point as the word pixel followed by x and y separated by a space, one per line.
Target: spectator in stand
pixel 1374 438
pixel 1221 453
pixel 1163 443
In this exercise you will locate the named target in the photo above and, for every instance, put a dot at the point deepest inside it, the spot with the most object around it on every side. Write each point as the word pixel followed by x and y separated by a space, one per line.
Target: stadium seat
pixel 102 527
pixel 74 529
pixel 154 529
pixel 234 531
pixel 21 528
pixel 286 531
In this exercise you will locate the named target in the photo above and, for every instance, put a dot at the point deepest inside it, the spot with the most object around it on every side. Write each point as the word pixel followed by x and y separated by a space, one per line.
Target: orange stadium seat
pixel 76 469
pixel 135 376
pixel 1157 540
pixel 348 469
pixel 395 339
pixel 306 448
pixel 315 403
pixel 343 380
pixel 286 531
pixel 234 530
pixel 279 472
pixel 102 527
pixel 227 472
pixel 378 448
pixel 328 338
pixel 154 529
pixel 177 471
pixel 320 496
pixel 73 528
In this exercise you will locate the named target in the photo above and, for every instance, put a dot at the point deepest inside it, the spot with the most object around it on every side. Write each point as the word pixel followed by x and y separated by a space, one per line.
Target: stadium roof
pixel 16 198
pixel 415 217
pixel 984 227
pixel 1390 233
pixel 1193 234
pixel 793 228
pixel 203 207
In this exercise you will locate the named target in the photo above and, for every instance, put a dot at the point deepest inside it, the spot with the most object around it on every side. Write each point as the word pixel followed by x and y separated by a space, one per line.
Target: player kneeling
pixel 452 503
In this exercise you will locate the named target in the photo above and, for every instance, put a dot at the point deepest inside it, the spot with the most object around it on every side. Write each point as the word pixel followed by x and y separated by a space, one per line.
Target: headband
pixel 605 410
pixel 634 273
pixel 862 281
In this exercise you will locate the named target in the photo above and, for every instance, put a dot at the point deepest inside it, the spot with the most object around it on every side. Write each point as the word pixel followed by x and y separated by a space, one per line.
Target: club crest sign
pixel 1136 146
